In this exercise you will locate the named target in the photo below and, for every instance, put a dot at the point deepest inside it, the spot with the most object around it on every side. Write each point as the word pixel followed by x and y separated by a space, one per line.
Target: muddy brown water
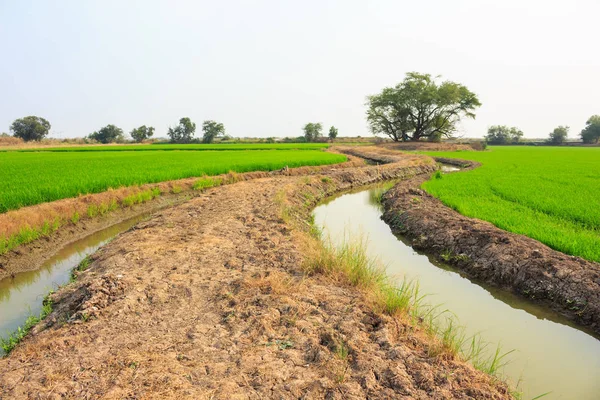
pixel 22 295
pixel 550 354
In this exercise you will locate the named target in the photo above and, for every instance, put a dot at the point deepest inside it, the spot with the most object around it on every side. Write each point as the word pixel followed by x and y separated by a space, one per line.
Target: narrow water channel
pixel 550 354
pixel 22 295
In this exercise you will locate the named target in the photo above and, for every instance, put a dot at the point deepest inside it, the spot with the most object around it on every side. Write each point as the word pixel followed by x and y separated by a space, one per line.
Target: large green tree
pixel 420 107
pixel 184 132
pixel 312 131
pixel 559 135
pixel 211 130
pixel 502 134
pixel 142 133
pixel 591 132
pixel 108 134
pixel 30 128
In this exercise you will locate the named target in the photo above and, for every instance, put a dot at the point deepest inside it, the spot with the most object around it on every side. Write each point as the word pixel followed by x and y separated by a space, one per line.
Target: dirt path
pixel 208 300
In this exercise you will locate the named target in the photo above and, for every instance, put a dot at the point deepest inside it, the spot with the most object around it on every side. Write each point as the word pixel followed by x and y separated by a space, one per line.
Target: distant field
pixel 28 178
pixel 190 147
pixel 551 194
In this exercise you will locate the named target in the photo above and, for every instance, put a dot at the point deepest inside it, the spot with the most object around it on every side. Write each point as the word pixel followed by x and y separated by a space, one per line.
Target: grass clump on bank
pixel 548 193
pixel 348 263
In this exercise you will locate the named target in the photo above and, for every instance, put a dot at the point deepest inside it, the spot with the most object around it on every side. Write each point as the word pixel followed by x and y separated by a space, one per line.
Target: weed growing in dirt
pixel 549 194
pixel 82 266
pixel 207 182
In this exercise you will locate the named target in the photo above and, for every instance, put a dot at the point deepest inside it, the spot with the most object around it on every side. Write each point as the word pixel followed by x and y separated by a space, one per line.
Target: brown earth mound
pixel 208 300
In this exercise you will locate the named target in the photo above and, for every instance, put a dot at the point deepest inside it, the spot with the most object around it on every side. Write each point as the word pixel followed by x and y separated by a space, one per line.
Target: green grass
pixel 167 147
pixel 31 178
pixel 551 194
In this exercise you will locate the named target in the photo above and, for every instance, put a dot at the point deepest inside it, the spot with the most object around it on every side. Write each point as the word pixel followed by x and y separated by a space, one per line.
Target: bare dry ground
pixel 208 299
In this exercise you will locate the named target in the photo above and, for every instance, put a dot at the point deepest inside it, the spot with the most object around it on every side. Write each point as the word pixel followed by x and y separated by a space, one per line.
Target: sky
pixel 266 68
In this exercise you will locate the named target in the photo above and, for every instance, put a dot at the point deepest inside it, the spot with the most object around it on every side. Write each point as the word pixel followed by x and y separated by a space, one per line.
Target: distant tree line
pixel 34 128
pixel 421 107
pixel 501 134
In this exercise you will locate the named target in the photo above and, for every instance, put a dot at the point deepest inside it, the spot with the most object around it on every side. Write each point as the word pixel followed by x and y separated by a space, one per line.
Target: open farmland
pixel 189 147
pixel 550 194
pixel 31 178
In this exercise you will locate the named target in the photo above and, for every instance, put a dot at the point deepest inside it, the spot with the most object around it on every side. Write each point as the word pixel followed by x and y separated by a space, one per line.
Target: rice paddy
pixel 29 178
pixel 551 194
pixel 184 147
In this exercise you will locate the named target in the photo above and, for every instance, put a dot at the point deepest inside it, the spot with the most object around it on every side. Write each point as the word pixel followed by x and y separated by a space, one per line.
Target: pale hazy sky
pixel 264 68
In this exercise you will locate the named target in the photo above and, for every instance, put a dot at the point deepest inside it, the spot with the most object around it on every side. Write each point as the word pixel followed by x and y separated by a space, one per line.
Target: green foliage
pixel 502 134
pixel 108 134
pixel 142 133
pixel 333 132
pixel 559 135
pixel 420 108
pixel 31 178
pixel 212 130
pixel 591 132
pixel 524 190
pixel 312 131
pixel 184 132
pixel 207 182
pixel 30 128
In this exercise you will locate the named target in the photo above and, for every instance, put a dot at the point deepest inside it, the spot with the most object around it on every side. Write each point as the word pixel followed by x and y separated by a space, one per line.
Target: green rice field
pixel 551 194
pixel 28 178
pixel 186 147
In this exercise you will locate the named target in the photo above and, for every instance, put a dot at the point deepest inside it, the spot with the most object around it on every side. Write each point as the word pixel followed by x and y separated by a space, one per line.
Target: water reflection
pixel 22 295
pixel 550 353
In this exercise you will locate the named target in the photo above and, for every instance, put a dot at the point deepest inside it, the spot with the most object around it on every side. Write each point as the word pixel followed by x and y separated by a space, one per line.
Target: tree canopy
pixel 559 135
pixel 212 129
pixel 142 133
pixel 591 132
pixel 312 131
pixel 184 132
pixel 108 134
pixel 333 132
pixel 30 128
pixel 502 134
pixel 420 108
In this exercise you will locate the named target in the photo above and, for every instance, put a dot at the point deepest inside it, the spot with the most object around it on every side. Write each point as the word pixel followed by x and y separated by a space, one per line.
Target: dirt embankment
pixel 513 262
pixel 208 300
pixel 29 256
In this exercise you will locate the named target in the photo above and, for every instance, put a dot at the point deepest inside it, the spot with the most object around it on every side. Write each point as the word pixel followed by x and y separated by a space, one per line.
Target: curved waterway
pixel 550 354
pixel 22 294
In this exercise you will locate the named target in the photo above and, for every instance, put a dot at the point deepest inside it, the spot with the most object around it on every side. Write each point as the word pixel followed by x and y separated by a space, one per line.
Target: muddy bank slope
pixel 208 300
pixel 510 261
